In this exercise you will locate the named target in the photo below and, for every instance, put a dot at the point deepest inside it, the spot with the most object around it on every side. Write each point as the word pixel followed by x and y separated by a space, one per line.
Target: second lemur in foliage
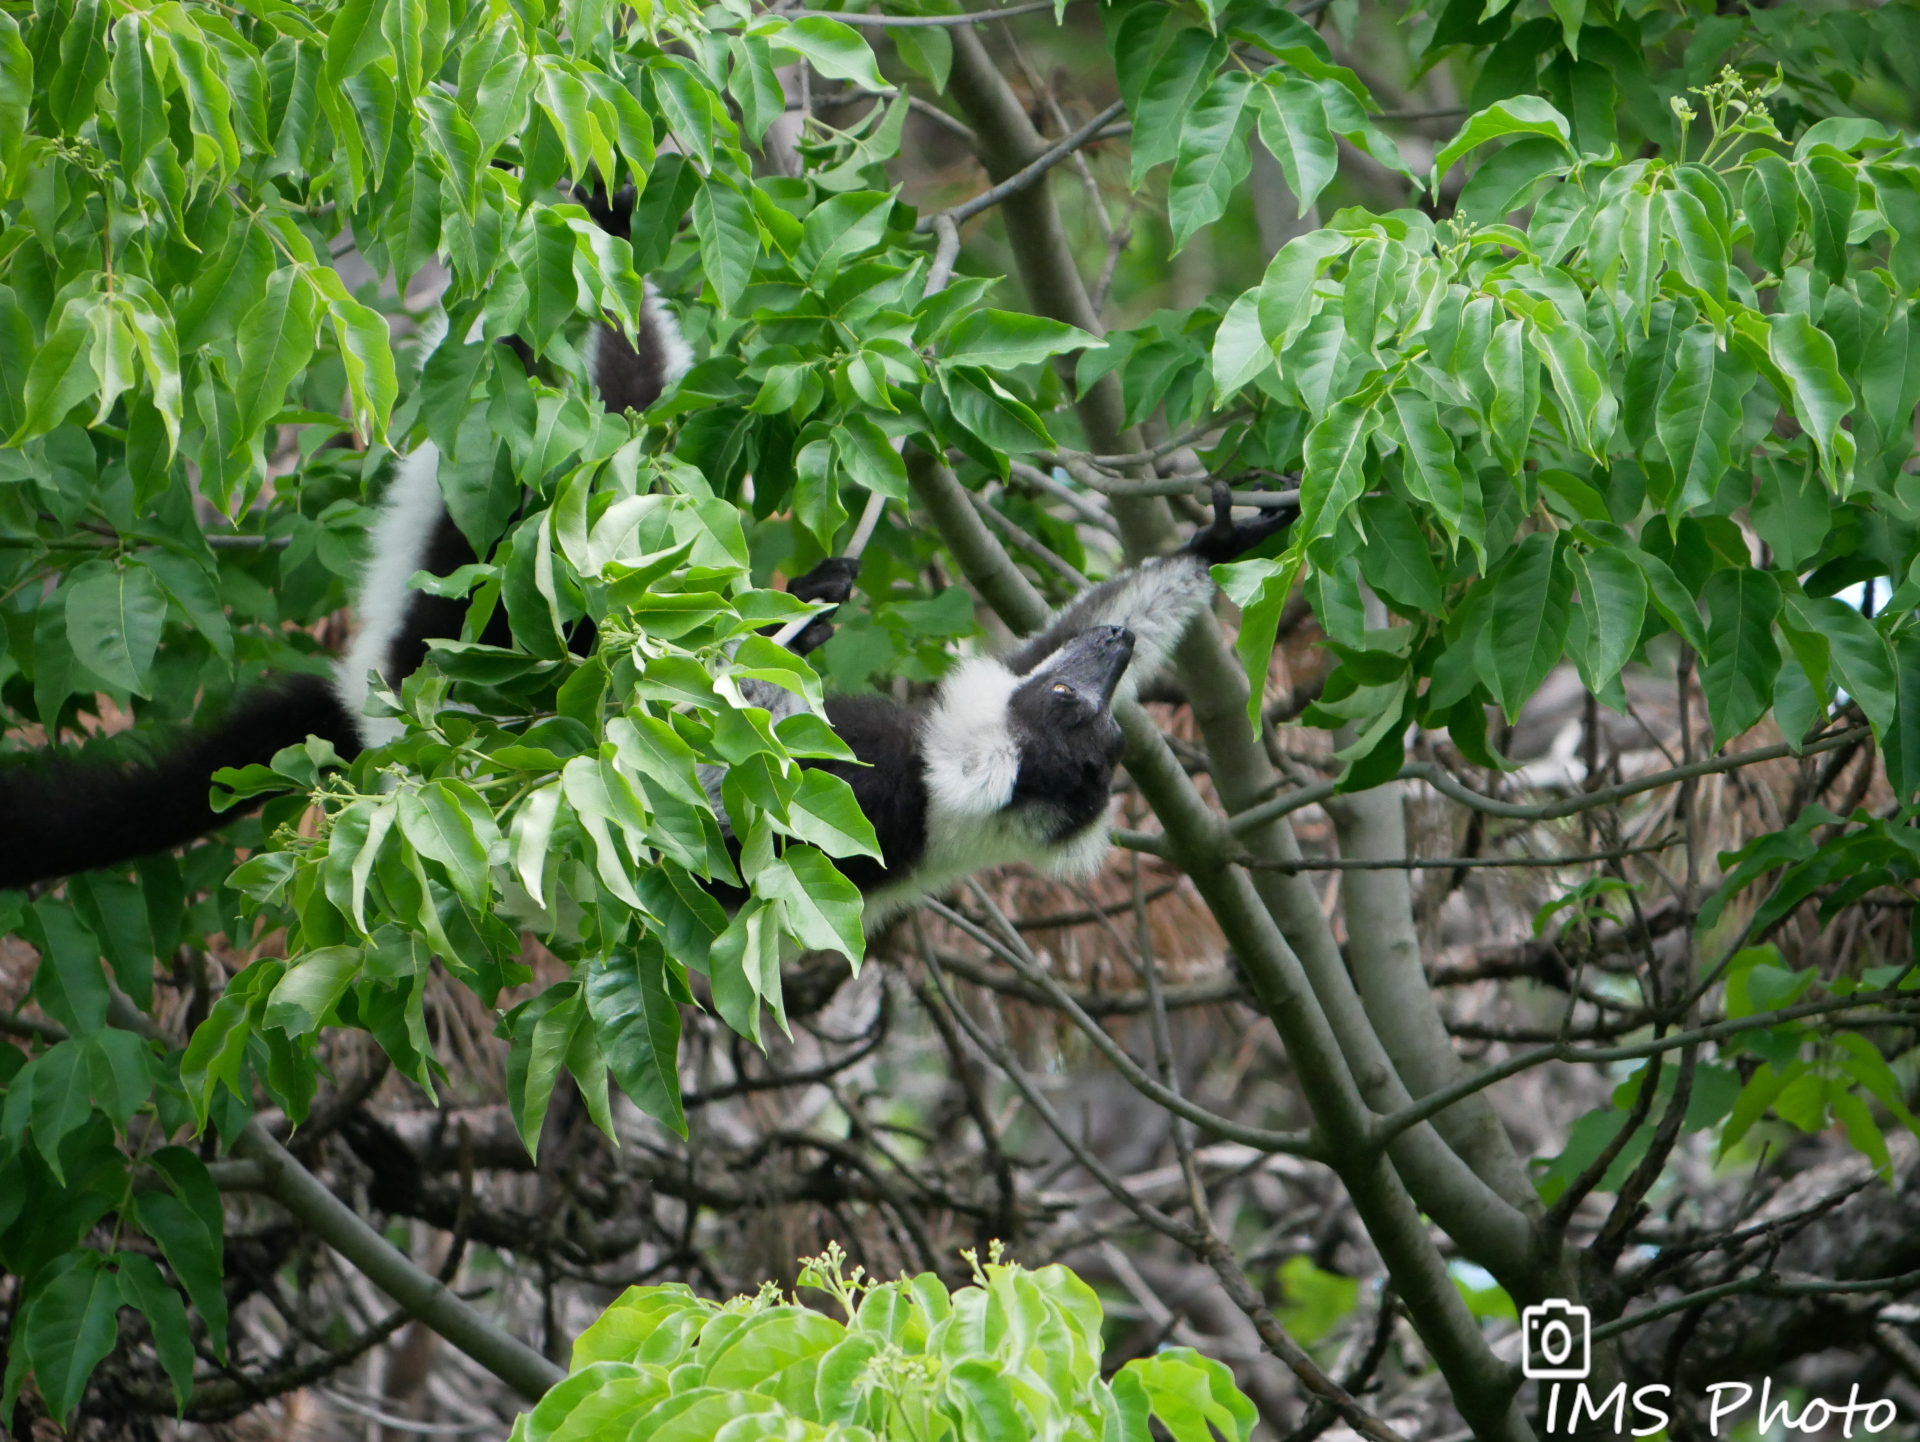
pixel 1011 759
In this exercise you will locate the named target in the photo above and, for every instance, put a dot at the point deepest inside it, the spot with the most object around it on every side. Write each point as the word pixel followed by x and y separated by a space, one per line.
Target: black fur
pixel 630 377
pixel 890 787
pixel 1227 539
pixel 67 811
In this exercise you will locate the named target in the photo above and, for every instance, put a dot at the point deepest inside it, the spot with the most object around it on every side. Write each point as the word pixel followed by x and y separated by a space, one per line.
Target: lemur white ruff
pixel 1011 760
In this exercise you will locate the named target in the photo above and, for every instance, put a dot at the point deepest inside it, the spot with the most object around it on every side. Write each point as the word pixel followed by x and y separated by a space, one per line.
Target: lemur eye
pixel 1061 688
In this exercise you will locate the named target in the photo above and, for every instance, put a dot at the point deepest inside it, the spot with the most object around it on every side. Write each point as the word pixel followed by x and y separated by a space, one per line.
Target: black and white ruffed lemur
pixel 1011 759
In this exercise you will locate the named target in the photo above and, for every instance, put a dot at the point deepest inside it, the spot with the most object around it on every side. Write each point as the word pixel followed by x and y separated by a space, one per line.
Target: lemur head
pixel 1062 719
pixel 1037 749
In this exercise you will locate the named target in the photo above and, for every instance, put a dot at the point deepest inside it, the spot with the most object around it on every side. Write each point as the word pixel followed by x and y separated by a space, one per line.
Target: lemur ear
pixel 1227 539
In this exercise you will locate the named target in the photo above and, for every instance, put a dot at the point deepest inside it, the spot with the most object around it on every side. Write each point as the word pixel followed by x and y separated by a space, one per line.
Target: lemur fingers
pixel 831 580
pixel 1227 539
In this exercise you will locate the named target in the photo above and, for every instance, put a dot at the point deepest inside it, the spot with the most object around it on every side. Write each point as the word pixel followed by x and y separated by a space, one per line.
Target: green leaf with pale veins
pixel 61 375
pixel 835 49
pixel 146 1290
pixel 1821 397
pixel 1703 251
pixel 1860 655
pixel 1430 469
pixel 729 238
pixel 825 813
pixel 275 341
pixel 1699 412
pixel 552 292
pixel 16 91
pixel 1177 77
pixel 1831 191
pixel 1002 339
pixel 1522 115
pixel 542 1037
pixel 1331 480
pixel 72 1327
pixel 638 1026
pixel 1772 205
pixel 1613 599
pixel 1526 630
pixel 1741 659
pixel 114 619
pixel 819 907
pixel 1515 370
pixel 1293 126
pixel 1212 159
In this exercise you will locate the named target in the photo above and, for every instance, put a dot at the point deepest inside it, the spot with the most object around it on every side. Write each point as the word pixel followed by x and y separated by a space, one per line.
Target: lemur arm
pixel 1158 599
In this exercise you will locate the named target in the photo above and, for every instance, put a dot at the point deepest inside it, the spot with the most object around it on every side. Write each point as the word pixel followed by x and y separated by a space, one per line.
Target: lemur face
pixel 1068 740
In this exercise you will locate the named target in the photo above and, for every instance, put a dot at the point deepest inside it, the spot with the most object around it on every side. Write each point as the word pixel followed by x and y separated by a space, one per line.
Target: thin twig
pixel 1029 174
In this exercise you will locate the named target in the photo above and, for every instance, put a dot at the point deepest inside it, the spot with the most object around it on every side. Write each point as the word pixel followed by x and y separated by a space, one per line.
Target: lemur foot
pixel 1227 539
pixel 831 580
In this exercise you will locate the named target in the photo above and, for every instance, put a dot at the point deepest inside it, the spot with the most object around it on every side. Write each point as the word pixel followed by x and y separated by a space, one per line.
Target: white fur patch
pixel 408 515
pixel 673 346
pixel 972 757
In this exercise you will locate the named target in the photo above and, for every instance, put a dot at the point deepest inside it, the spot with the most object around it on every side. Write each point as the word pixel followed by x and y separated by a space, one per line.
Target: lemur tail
pixel 67 812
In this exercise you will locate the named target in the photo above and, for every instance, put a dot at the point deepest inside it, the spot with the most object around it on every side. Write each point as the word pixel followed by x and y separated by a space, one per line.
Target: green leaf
pixel 118 1076
pixel 1741 658
pixel 354 39
pixel 1504 183
pixel 68 983
pixel 444 826
pixel 1260 589
pixel 72 1327
pixel 1527 625
pixel 1212 159
pixel 825 813
pixel 275 341
pixel 729 238
pixel 754 82
pixel 1859 653
pixel 139 110
pixel 638 1025
pixel 1331 480
pixel 1902 741
pixel 60 1099
pixel 1002 423
pixel 1831 191
pixel 1293 126
pixel 1523 114
pixel 870 458
pixel 1394 559
pixel 114 618
pixel 1514 368
pixel 1703 250
pixel 16 92
pixel 1431 469
pixel 145 1289
pixel 192 1252
pixel 313 984
pixel 552 293
pixel 1821 397
pixel 542 1037
pixel 61 375
pixel 1177 77
pixel 1772 208
pixel 1699 413
pixel 1002 339
pixel 1613 601
pixel 836 50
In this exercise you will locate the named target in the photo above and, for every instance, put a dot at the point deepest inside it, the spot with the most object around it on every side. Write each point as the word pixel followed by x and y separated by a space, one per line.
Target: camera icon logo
pixel 1554 1341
